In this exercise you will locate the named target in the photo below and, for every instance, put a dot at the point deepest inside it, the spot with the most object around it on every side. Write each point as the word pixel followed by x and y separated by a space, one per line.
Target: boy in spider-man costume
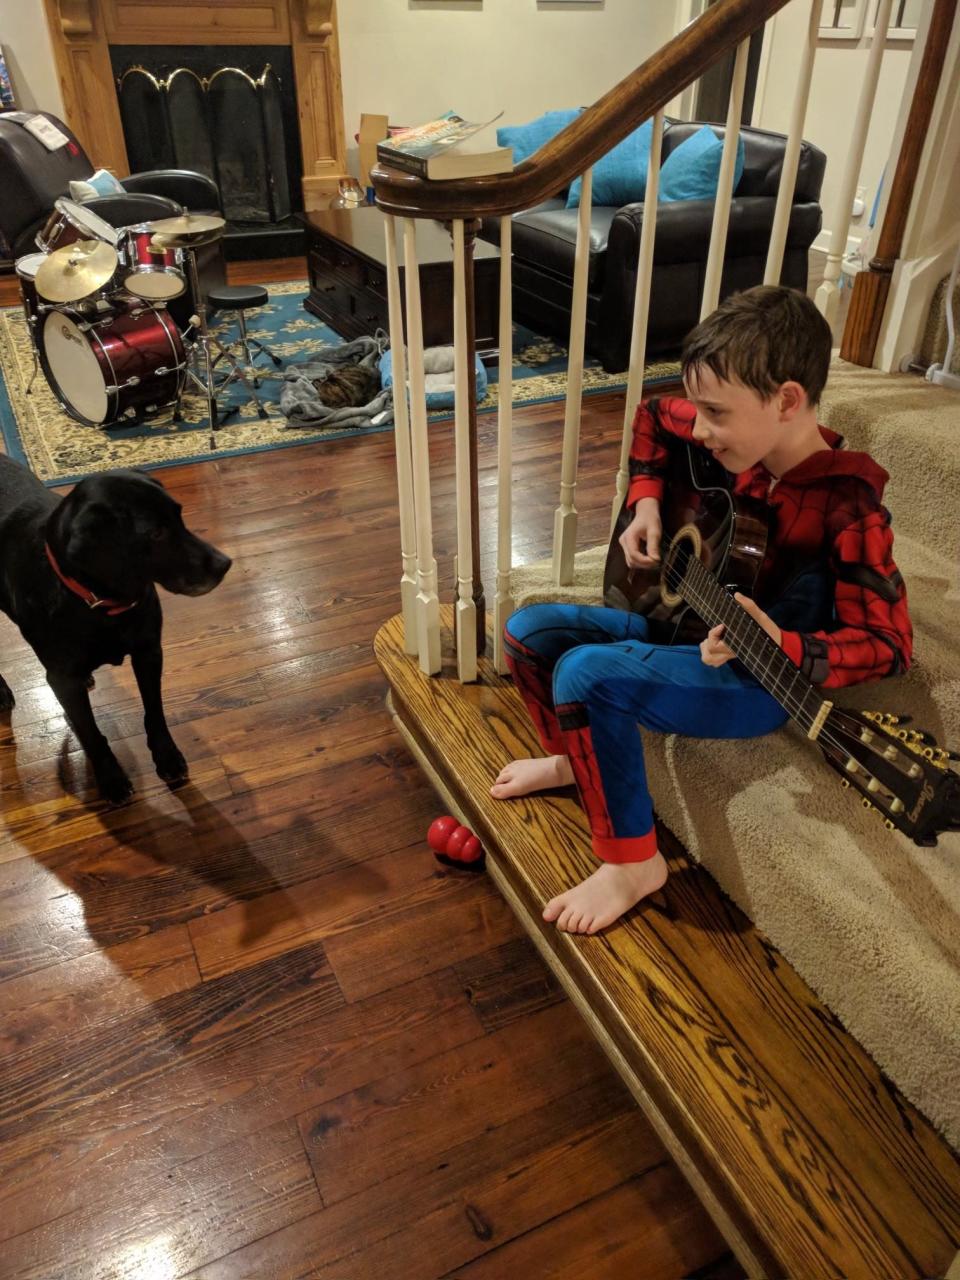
pixel 828 592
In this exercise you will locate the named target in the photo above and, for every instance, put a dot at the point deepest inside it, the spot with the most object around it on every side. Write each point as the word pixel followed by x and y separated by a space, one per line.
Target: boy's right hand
pixel 641 538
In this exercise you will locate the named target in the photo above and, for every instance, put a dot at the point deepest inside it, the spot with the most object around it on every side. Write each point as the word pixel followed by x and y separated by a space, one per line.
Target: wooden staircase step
pixel 807 1157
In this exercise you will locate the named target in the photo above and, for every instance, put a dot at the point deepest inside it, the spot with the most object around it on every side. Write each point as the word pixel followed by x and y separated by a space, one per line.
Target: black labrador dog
pixel 77 577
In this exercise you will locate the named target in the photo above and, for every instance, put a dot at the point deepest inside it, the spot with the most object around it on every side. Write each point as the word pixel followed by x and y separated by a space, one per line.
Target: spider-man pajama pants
pixel 589 677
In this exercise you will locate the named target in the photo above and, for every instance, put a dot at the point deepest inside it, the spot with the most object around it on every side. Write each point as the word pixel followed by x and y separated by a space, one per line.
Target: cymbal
pixel 187 230
pixel 76 270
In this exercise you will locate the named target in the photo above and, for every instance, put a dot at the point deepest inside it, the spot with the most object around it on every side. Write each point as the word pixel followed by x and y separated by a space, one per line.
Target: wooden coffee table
pixel 346 261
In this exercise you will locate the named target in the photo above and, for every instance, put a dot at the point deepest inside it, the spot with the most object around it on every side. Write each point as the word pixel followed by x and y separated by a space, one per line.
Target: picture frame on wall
pixel 842 19
pixel 904 19
pixel 7 100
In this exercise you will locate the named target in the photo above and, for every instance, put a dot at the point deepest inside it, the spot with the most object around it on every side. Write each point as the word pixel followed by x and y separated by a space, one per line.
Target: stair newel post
pixel 503 600
pixel 641 312
pixel 565 516
pixel 428 604
pixel 465 611
pixel 401 424
pixel 871 287
pixel 791 155
pixel 721 208
pixel 828 295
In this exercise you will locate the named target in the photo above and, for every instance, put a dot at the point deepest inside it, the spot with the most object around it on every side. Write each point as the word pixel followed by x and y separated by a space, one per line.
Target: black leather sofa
pixel 32 178
pixel 544 243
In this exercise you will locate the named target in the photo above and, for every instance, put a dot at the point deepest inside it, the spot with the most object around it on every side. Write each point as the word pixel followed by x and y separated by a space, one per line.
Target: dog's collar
pixel 88 597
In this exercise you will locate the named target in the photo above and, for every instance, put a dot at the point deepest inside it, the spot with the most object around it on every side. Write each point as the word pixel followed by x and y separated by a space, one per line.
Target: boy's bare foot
pixel 604 897
pixel 521 777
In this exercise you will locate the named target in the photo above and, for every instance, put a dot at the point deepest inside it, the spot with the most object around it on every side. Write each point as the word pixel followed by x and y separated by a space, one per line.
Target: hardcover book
pixel 436 150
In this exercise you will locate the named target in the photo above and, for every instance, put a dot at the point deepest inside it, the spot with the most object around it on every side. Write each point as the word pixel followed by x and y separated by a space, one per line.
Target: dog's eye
pixel 158 535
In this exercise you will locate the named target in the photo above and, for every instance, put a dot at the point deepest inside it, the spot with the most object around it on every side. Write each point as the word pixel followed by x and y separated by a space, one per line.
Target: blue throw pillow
pixel 528 138
pixel 619 177
pixel 692 170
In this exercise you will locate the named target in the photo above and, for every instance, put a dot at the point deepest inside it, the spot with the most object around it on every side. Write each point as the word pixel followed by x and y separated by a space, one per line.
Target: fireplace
pixel 298 38
pixel 228 111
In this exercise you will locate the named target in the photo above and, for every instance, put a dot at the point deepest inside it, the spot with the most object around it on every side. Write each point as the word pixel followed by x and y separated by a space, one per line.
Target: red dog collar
pixel 85 594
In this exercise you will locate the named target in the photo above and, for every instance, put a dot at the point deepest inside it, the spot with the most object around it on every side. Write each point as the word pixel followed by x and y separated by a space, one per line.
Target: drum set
pixel 95 299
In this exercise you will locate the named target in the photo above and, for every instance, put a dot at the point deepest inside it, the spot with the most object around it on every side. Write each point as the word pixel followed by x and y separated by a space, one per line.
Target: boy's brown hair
pixel 762 338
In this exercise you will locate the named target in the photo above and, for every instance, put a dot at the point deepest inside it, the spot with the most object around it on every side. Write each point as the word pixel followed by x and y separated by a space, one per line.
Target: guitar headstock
pixel 902 773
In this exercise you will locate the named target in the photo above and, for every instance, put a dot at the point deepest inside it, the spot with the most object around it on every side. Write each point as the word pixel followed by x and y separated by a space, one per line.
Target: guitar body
pixel 701 516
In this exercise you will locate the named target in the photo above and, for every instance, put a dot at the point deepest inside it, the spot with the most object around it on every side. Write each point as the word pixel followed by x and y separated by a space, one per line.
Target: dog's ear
pixel 90 526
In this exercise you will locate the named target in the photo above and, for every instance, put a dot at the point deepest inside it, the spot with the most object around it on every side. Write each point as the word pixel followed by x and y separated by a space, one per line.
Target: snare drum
pixel 147 272
pixel 128 365
pixel 70 222
pixel 26 269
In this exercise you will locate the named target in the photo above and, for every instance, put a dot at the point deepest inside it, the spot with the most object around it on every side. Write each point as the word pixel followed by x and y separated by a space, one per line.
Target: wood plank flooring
pixel 249 1028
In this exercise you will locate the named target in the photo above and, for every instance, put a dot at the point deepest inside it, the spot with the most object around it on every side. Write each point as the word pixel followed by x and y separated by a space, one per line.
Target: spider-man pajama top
pixel 590 676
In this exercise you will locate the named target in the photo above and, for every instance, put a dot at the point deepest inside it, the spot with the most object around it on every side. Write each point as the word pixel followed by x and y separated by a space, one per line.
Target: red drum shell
pixel 56 232
pixel 127 365
pixel 149 272
pixel 26 269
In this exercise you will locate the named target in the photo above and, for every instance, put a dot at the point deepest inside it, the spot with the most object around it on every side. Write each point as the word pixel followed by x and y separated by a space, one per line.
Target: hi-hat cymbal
pixel 187 230
pixel 76 270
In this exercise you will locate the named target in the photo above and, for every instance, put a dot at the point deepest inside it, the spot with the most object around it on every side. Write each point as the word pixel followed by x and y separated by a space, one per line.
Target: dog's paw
pixel 170 763
pixel 114 785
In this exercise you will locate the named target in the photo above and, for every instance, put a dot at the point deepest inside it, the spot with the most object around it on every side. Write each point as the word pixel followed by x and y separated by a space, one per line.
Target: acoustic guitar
pixel 713 544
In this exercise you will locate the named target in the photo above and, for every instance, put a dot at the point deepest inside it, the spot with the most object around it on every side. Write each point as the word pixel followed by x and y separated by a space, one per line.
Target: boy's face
pixel 738 427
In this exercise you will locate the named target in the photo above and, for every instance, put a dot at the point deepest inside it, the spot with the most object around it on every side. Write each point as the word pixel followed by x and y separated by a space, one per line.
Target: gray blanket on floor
pixel 302 407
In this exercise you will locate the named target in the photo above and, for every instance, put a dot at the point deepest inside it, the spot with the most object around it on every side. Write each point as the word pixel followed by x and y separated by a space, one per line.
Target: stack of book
pixel 436 150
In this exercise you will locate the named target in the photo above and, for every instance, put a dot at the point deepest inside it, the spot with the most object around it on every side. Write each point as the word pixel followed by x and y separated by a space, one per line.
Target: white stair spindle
pixel 721 209
pixel 401 431
pixel 466 609
pixel 565 517
pixel 428 605
pixel 641 312
pixel 791 156
pixel 503 600
pixel 828 295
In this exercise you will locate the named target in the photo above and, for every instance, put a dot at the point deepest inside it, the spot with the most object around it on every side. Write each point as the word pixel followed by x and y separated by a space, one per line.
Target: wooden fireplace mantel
pixel 82 31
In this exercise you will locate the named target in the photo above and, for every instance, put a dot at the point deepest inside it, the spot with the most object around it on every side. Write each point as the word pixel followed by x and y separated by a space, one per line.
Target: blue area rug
pixel 60 450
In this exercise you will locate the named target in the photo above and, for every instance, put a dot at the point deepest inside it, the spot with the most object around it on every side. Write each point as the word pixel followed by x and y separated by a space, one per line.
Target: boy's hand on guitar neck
pixel 715 653
pixel 641 538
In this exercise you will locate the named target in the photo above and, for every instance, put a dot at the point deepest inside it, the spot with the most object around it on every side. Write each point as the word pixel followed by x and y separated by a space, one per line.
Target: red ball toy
pixel 455 845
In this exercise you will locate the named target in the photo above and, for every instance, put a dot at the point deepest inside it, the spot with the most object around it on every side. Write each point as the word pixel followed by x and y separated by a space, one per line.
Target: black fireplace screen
pixel 218 112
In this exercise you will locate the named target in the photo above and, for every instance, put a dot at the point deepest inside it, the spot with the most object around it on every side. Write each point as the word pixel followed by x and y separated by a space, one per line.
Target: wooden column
pixel 871 287
pixel 470 229
pixel 82 55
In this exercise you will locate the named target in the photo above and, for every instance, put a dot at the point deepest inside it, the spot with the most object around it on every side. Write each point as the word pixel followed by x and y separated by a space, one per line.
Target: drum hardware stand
pixel 205 381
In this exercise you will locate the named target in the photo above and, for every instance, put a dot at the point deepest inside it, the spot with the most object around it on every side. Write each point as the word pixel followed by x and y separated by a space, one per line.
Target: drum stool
pixel 243 351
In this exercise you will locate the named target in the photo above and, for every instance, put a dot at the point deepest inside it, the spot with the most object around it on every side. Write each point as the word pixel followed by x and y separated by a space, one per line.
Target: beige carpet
pixel 868 919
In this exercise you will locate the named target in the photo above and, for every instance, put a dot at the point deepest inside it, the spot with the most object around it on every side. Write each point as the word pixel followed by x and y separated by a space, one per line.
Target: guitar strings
pixel 675 579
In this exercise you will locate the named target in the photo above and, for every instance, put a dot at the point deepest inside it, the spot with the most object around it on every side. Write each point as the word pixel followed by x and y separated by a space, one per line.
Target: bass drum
pixel 127 366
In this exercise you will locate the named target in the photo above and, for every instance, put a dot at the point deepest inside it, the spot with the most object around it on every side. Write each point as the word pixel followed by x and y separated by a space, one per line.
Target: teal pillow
pixel 619 177
pixel 528 138
pixel 692 170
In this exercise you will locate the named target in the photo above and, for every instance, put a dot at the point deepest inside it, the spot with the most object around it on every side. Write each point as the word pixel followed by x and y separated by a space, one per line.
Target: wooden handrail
pixel 594 132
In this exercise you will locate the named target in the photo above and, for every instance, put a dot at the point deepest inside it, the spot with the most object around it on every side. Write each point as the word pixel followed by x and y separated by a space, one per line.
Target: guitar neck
pixel 764 659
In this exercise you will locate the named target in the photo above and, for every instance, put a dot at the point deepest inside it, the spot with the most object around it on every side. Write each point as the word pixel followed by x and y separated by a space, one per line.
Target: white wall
pixel 29 56
pixel 414 59
pixel 838 72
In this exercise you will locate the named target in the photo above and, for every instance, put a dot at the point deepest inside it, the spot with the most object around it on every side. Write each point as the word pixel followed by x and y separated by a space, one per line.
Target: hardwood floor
pixel 250 1028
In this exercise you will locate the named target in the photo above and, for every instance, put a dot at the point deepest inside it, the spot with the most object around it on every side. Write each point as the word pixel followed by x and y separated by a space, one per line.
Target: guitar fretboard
pixel 764 659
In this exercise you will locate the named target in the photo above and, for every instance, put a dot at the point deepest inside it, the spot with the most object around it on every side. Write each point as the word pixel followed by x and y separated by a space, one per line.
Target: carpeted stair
pixel 868 919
